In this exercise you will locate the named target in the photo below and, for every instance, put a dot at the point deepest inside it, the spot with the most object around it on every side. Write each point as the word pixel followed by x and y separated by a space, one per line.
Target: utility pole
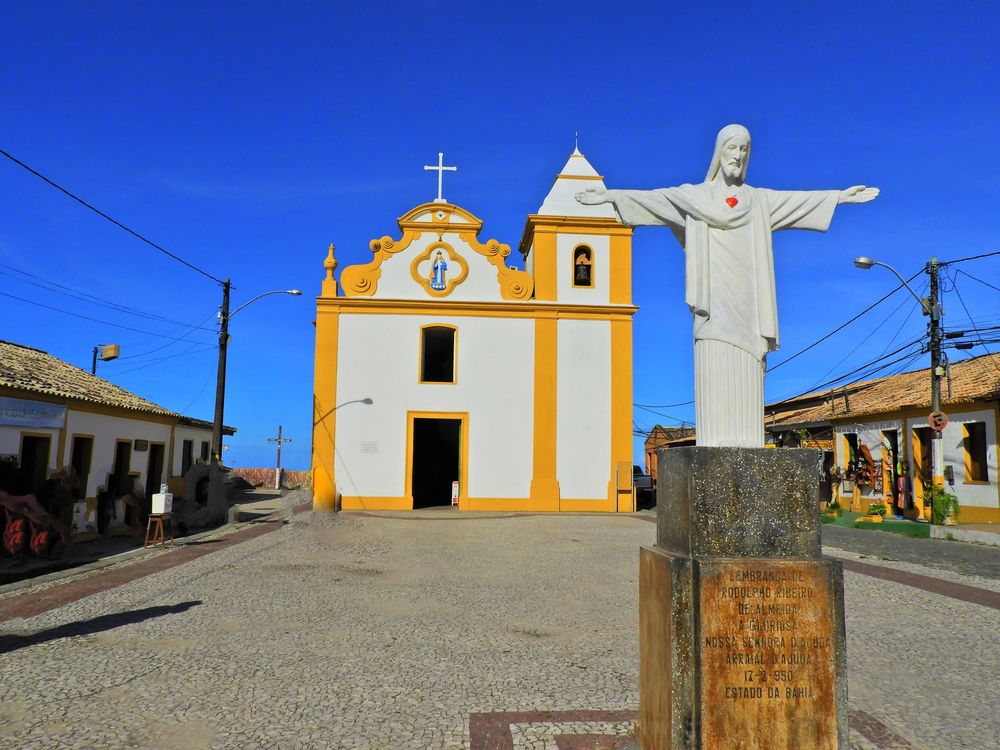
pixel 931 306
pixel 277 472
pixel 934 336
pixel 220 381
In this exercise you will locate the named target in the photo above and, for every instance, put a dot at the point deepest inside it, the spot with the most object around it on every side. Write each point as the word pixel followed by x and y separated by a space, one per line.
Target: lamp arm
pixel 254 299
pixel 902 281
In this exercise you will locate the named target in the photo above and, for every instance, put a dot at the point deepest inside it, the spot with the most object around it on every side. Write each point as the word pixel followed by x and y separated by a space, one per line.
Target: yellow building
pixel 442 372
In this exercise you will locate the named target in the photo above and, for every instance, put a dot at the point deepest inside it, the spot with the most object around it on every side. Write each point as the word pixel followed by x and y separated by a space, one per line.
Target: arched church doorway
pixel 436 460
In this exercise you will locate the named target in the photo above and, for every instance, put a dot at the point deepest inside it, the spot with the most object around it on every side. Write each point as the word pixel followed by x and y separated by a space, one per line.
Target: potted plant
pixel 875 513
pixel 833 509
pixel 944 505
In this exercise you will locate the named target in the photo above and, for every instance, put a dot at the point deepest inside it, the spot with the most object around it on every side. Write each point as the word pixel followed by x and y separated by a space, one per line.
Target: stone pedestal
pixel 741 620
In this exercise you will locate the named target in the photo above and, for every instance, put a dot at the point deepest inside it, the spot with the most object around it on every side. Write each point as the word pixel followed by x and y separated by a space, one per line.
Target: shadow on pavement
pixel 93 625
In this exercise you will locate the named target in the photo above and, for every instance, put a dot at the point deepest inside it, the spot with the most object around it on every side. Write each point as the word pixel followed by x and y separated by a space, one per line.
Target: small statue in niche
pixel 438 272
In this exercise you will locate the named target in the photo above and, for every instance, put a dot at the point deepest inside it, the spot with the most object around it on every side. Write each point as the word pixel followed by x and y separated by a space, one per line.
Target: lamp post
pixel 220 381
pixel 107 353
pixel 931 308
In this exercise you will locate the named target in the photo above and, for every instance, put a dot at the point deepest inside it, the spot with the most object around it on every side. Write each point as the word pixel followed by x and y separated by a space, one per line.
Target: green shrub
pixel 943 504
pixel 876 509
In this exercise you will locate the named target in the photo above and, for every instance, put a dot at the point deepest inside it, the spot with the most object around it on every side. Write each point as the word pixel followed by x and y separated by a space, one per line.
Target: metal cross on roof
pixel 440 169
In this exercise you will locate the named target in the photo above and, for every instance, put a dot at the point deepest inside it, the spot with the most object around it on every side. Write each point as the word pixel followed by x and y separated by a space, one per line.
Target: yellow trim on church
pixel 527 309
pixel 621 412
pixel 324 409
pixel 544 492
pixel 361 280
pixel 463 453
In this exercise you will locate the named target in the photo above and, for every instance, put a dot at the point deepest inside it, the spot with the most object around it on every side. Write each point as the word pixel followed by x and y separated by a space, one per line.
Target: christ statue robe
pixel 725 231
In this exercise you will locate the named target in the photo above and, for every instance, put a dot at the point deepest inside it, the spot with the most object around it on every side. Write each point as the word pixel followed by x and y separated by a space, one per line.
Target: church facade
pixel 443 375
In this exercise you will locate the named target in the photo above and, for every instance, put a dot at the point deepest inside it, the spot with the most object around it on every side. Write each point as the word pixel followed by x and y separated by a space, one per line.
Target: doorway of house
pixel 154 475
pixel 81 455
pixel 35 461
pixel 890 471
pixel 436 460
pixel 923 470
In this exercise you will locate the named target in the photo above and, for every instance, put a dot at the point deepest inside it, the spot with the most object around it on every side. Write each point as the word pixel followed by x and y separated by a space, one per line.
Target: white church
pixel 444 376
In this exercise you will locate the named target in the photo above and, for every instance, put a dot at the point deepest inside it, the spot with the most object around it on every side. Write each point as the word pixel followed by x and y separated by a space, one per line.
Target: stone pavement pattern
pixel 939 554
pixel 390 630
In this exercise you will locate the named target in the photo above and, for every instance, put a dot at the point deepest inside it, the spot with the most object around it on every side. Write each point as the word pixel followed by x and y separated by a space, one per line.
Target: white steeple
pixel 575 177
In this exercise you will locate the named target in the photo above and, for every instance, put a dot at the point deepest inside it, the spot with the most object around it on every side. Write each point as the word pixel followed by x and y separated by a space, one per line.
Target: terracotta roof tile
pixel 974 379
pixel 27 369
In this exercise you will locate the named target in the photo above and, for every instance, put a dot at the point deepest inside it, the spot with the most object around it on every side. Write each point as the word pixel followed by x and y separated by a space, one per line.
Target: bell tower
pixel 578 254
pixel 580 259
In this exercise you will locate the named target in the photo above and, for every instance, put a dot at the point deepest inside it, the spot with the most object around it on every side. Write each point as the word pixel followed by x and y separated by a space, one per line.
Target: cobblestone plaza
pixel 441 630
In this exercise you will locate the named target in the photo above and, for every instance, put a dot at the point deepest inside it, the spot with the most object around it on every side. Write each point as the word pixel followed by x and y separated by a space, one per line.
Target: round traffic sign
pixel 937 420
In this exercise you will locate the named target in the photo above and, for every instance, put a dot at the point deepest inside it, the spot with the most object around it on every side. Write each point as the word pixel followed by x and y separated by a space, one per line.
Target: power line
pixel 971 257
pixel 841 327
pixel 198 395
pixel 981 342
pixel 87 317
pixel 104 215
pixel 959 270
pixel 662 406
pixel 94 299
pixel 877 363
pixel 863 341
pixel 190 350
pixel 661 414
pixel 169 343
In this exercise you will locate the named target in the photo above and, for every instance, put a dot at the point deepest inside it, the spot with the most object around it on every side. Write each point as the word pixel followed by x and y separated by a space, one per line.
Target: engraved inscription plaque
pixel 767 655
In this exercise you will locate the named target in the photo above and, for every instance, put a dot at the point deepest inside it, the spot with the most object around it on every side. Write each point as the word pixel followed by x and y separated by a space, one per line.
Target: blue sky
pixel 245 137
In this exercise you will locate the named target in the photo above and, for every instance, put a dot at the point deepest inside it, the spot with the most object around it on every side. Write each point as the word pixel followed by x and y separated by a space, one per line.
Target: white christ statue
pixel 725 226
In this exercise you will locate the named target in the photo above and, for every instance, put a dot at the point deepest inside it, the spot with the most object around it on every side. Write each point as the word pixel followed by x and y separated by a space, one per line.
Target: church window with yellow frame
pixel 437 354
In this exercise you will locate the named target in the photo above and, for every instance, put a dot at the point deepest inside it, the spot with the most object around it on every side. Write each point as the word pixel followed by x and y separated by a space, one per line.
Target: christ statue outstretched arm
pixel 725 227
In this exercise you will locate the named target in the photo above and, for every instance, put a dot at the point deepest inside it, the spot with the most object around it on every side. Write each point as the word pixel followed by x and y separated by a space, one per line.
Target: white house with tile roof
pixel 881 438
pixel 55 416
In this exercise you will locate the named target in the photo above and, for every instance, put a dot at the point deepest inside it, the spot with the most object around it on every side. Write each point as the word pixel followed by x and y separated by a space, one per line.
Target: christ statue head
pixel 732 154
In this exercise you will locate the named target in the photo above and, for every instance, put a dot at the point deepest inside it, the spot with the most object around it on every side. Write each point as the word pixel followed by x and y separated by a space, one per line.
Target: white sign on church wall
pixel 25 413
pixel 369 446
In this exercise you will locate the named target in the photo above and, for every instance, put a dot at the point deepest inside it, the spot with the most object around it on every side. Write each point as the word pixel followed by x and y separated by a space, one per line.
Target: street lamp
pixel 932 309
pixel 220 382
pixel 864 262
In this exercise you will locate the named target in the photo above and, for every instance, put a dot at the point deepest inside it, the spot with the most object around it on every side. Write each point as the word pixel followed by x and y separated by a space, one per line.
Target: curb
pixel 952 533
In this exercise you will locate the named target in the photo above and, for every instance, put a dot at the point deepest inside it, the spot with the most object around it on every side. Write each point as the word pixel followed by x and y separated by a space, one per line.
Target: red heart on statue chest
pixel 732 201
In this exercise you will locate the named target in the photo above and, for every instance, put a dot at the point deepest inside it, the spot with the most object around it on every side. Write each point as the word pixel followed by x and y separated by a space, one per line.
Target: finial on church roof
pixel 330 264
pixel 576 144
pixel 329 283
